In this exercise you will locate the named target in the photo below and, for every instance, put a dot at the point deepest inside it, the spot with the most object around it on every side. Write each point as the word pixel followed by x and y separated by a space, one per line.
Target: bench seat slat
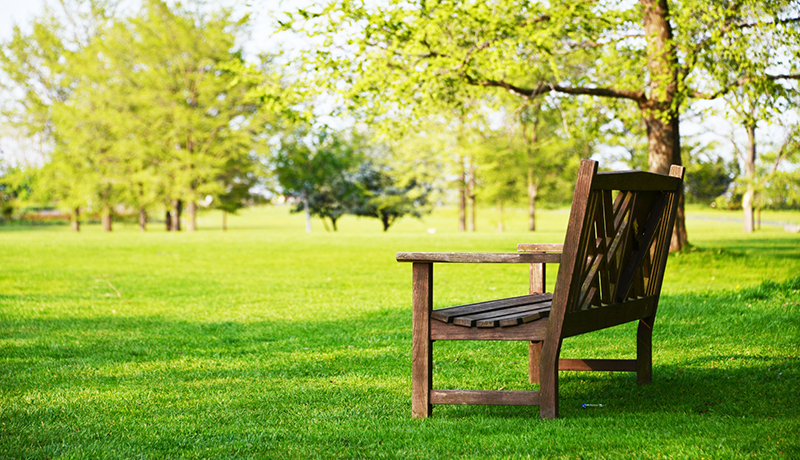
pixel 493 319
pixel 448 314
pixel 503 312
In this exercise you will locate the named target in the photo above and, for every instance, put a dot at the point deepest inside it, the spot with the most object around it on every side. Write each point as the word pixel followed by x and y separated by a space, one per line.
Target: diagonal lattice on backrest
pixel 621 247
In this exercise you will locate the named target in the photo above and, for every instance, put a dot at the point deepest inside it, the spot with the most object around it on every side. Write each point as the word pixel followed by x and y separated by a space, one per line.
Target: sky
pixel 22 11
pixel 263 39
pixel 16 11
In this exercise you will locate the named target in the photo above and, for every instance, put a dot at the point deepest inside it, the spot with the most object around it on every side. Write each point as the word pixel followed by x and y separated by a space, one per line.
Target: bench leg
pixel 421 344
pixel 537 273
pixel 534 357
pixel 548 373
pixel 644 351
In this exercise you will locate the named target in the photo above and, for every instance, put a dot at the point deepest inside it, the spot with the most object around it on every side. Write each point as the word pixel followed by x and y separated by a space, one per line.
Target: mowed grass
pixel 267 342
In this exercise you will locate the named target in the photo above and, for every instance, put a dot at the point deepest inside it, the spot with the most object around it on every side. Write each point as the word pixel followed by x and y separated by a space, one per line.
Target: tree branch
pixel 544 87
pixel 749 25
pixel 637 96
pixel 782 151
pixel 741 82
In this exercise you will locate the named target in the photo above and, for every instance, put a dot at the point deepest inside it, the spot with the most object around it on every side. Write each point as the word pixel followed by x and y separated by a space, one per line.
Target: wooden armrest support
pixel 478 257
pixel 540 247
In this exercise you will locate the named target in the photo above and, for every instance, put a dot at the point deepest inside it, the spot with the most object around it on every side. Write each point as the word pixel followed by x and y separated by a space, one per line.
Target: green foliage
pixel 315 167
pixel 16 185
pixel 386 198
pixel 782 191
pixel 401 56
pixel 779 169
pixel 139 110
pixel 708 176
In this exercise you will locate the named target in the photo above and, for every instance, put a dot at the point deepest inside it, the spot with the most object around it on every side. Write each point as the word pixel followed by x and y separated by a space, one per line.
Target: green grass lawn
pixel 267 342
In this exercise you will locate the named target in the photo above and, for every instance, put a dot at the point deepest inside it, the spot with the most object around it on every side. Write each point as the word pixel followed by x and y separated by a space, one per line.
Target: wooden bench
pixel 611 267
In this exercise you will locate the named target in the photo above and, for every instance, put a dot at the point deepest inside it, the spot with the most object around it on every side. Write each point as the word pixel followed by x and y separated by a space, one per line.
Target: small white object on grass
pixel 431 231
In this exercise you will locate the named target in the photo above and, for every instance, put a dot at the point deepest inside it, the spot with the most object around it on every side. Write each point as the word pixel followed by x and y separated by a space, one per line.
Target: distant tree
pixel 441 147
pixel 387 198
pixel 16 186
pixel 201 111
pixel 708 176
pixel 150 108
pixel 335 199
pixel 313 166
pixel 778 173
pixel 239 182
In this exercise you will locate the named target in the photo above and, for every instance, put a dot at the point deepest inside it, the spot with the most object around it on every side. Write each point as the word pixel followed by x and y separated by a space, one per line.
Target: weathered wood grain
pixel 583 321
pixel 540 247
pixel 477 397
pixel 537 275
pixel 421 353
pixel 470 320
pixel 534 330
pixel 638 181
pixel 449 314
pixel 621 365
pixel 478 257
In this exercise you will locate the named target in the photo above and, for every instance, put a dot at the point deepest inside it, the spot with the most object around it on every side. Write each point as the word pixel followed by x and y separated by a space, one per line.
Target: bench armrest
pixel 479 257
pixel 540 247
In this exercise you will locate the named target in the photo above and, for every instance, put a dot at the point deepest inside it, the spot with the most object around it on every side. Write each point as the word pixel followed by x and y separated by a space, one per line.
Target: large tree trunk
pixel 106 217
pixel 660 111
pixel 191 208
pixel 74 221
pixel 462 198
pixel 177 208
pixel 142 219
pixel 664 151
pixel 748 200
pixel 168 220
pixel 533 190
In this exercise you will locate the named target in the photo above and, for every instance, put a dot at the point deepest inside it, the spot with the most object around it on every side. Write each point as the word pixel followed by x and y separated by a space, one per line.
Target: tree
pixel 40 76
pixel 138 110
pixel 16 186
pixel 748 108
pixel 313 166
pixel 654 54
pixel 777 183
pixel 386 198
pixel 239 182
pixel 202 111
pixel 708 176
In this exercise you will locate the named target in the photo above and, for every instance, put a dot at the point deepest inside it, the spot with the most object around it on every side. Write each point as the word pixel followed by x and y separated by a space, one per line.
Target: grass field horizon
pixel 267 342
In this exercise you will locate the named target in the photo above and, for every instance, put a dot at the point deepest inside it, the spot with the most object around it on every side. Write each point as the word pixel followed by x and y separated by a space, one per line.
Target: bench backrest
pixel 617 241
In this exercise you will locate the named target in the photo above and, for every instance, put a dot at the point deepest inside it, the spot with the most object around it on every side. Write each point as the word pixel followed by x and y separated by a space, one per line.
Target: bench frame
pixel 618 282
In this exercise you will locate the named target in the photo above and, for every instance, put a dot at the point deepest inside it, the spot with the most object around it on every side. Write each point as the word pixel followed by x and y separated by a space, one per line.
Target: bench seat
pixel 511 311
